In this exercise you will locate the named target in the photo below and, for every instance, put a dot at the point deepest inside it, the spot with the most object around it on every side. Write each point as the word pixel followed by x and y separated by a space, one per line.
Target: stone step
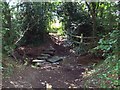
pixel 50 53
pixel 46 55
pixel 39 61
pixel 54 59
pixel 42 57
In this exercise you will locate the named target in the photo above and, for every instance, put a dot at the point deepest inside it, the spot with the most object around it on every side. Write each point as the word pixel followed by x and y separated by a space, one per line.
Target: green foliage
pixel 28 22
pixel 34 23
pixel 72 14
pixel 8 33
pixel 106 73
pixel 23 23
pixel 107 17
pixel 108 43
pixel 7 66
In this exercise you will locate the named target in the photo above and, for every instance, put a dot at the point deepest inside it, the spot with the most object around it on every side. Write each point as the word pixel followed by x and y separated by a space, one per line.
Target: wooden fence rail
pixel 81 37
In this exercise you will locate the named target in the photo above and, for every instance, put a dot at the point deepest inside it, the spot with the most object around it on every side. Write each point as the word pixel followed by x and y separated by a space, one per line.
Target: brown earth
pixel 65 74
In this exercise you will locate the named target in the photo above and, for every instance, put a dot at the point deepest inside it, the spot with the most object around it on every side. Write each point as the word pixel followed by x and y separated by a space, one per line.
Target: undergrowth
pixel 8 66
pixel 106 74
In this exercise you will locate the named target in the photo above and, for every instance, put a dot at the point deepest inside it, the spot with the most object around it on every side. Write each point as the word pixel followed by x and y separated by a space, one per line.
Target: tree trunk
pixel 92 9
pixel 94 24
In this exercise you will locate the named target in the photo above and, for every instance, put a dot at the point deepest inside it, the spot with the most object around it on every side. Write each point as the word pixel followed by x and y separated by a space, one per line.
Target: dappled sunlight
pixel 60 44
pixel 56 24
pixel 48 86
pixel 88 73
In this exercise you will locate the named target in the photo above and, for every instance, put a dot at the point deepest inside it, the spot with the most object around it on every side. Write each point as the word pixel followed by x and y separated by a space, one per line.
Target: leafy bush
pixel 107 44
pixel 106 74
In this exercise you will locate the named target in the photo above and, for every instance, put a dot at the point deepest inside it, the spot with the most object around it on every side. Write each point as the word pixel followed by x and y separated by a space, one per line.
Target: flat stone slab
pixel 39 61
pixel 55 59
pixel 46 55
pixel 42 57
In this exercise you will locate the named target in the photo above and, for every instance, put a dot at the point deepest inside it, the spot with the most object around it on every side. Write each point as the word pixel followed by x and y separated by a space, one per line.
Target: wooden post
pixel 81 41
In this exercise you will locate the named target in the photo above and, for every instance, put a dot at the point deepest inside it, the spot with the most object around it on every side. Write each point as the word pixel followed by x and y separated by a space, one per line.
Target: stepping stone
pixel 39 61
pixel 47 55
pixel 42 57
pixel 55 59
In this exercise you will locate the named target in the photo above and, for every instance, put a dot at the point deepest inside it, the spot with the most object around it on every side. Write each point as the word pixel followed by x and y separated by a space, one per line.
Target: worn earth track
pixel 65 74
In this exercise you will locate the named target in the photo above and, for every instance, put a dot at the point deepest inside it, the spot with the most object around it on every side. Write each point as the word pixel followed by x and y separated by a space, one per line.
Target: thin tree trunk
pixel 92 10
pixel 94 25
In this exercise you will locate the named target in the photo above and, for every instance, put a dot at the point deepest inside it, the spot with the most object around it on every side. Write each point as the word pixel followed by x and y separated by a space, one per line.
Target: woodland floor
pixel 67 73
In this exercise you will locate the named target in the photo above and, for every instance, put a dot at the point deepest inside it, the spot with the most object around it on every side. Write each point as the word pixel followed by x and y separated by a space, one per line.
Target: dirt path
pixel 66 74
